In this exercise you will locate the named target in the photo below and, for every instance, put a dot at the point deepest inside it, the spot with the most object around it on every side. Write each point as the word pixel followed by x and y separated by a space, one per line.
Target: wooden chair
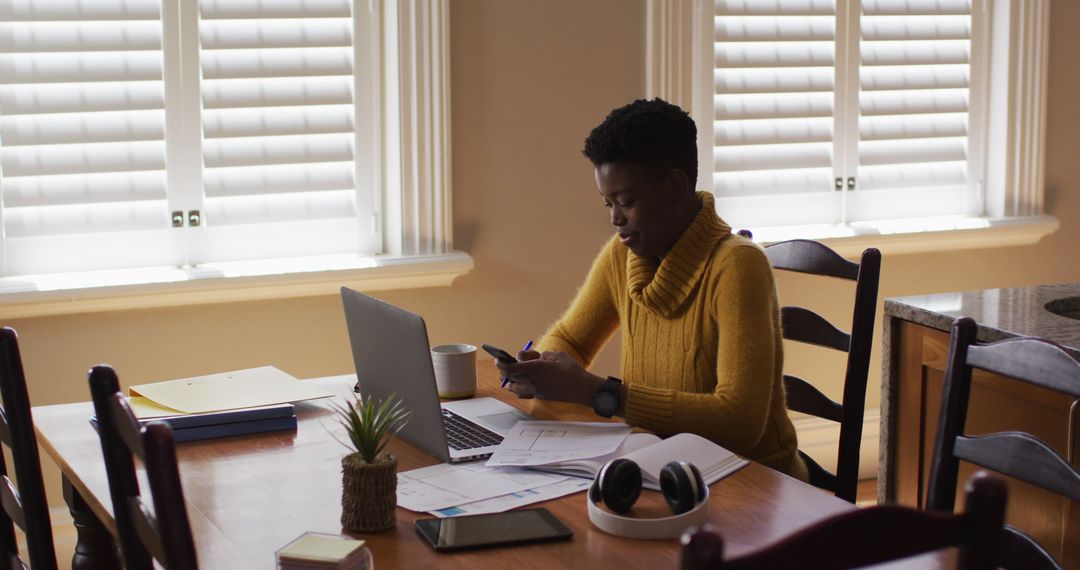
pixel 870 536
pixel 803 325
pixel 1014 453
pixel 24 505
pixel 144 537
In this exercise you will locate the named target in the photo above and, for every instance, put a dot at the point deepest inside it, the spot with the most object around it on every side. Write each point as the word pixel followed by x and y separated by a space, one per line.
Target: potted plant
pixel 369 476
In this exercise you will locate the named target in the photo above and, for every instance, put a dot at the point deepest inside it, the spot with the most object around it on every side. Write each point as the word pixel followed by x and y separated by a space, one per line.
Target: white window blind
pixel 773 113
pixel 913 108
pixel 82 127
pixel 279 131
pixel 839 111
pixel 302 135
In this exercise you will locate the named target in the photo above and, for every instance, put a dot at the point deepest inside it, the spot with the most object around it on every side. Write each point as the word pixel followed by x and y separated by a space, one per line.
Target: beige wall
pixel 529 79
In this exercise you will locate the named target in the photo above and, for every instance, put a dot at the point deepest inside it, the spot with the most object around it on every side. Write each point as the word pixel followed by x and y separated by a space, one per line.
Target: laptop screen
pixel 391 353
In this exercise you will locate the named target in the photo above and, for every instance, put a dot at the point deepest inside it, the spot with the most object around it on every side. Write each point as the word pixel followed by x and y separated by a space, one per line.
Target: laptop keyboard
pixel 463 434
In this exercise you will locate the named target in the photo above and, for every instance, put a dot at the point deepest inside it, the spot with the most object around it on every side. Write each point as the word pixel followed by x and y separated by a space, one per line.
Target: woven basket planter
pixel 368 493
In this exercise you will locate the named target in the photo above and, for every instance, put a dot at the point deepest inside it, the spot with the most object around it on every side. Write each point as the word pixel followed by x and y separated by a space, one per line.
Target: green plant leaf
pixel 372 423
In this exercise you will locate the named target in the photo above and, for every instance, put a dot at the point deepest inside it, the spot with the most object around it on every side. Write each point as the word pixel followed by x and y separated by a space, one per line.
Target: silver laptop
pixel 392 356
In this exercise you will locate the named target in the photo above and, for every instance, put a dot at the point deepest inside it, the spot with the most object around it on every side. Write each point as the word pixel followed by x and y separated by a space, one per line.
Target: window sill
pixel 923 235
pixel 50 295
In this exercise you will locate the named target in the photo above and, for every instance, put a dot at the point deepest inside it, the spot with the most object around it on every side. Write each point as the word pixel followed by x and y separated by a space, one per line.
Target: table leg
pixel 95 547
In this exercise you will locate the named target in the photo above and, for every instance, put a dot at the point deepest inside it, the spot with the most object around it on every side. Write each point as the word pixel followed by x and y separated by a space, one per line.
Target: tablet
pixel 476 531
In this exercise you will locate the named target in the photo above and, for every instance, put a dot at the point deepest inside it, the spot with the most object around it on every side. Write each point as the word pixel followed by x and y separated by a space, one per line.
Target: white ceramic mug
pixel 455 369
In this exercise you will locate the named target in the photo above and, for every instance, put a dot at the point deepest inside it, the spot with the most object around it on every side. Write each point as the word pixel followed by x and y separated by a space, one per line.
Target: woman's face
pixel 642 207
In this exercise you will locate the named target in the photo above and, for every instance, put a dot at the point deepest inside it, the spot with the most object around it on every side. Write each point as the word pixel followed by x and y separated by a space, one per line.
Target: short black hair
pixel 649 132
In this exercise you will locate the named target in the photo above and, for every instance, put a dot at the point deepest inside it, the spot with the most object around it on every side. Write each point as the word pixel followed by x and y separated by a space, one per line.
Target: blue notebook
pixel 211 431
pixel 194 427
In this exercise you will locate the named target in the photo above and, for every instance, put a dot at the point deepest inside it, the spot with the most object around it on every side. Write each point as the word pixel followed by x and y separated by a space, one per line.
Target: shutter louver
pixel 913 107
pixel 773 102
pixel 773 99
pixel 82 136
pixel 278 128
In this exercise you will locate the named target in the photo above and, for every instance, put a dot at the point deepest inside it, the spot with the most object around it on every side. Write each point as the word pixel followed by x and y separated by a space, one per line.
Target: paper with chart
pixel 538 443
pixel 441 486
pixel 514 500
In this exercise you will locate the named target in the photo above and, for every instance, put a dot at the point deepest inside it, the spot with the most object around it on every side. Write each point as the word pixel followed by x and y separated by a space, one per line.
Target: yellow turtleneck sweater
pixel 701 344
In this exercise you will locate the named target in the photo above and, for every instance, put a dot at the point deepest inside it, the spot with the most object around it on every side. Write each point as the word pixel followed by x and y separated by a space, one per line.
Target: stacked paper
pixel 324 551
pixel 254 387
pixel 544 443
pixel 581 449
pixel 503 484
pixel 567 456
pixel 446 486
pixel 219 405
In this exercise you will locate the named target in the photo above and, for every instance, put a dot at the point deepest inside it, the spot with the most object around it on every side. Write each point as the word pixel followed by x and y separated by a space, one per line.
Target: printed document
pixel 538 443
pixel 445 485
pixel 589 466
pixel 515 500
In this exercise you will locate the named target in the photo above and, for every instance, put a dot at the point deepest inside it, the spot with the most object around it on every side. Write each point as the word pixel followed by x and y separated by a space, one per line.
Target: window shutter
pixel 872 93
pixel 773 111
pixel 913 109
pixel 279 131
pixel 82 136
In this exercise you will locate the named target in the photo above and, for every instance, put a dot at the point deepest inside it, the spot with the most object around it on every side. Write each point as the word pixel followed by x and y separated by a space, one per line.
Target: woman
pixel 696 305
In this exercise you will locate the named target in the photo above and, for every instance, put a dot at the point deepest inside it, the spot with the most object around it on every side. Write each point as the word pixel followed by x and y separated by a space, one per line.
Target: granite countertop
pixel 1000 313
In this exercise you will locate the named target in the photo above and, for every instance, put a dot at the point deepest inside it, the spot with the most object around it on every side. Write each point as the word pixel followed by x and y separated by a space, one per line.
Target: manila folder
pixel 249 388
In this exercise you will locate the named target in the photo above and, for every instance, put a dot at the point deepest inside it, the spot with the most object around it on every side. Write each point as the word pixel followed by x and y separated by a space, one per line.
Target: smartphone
pixel 499 529
pixel 499 354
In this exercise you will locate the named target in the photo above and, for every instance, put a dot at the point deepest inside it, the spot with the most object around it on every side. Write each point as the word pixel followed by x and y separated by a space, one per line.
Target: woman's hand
pixel 526 355
pixel 550 376
pixel 522 390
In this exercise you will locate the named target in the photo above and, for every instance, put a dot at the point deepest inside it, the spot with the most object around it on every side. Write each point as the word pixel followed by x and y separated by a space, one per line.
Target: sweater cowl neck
pixel 661 287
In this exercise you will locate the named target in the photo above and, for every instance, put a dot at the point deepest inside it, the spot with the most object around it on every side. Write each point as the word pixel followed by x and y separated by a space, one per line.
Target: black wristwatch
pixel 606 400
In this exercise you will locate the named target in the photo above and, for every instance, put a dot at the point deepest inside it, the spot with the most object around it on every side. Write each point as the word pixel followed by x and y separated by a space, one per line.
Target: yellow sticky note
pixel 249 388
pixel 320 547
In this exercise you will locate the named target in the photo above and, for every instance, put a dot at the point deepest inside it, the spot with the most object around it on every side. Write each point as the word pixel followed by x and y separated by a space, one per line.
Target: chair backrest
pixel 1017 454
pixel 24 505
pixel 871 536
pixel 803 325
pixel 165 537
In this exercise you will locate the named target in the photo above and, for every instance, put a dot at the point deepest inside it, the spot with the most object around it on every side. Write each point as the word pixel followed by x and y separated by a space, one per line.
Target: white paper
pixel 441 486
pixel 532 443
pixel 589 467
pixel 713 461
pixel 518 499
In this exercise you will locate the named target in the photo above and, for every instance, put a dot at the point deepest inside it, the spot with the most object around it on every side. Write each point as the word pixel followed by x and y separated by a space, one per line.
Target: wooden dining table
pixel 248 496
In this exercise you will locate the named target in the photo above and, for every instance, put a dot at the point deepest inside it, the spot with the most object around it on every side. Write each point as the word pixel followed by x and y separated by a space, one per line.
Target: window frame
pixel 408 158
pixel 1010 130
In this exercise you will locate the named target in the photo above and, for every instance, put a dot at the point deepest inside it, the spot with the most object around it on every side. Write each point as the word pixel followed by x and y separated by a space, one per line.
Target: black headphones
pixel 618 485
